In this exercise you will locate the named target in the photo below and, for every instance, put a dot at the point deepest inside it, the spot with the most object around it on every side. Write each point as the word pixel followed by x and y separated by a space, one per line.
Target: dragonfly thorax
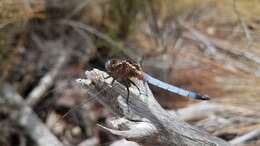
pixel 121 68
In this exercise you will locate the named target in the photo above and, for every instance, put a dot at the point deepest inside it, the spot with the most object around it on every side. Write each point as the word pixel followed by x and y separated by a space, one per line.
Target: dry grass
pixel 225 20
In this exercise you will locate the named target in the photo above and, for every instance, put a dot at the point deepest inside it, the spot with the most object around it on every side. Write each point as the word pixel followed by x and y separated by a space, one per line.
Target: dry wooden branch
pixel 215 46
pixel 220 119
pixel 27 119
pixel 222 50
pixel 143 132
pixel 100 35
pixel 172 132
pixel 89 142
pixel 205 109
pixel 243 24
pixel 46 82
pixel 124 143
pixel 245 137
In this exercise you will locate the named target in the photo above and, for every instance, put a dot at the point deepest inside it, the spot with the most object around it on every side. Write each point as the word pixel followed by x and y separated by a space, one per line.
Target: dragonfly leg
pixel 140 93
pixel 127 99
pixel 135 120
pixel 146 90
pixel 107 77
pixel 113 81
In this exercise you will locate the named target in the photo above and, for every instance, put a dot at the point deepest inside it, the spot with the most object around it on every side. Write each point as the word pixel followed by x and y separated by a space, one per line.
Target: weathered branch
pixel 89 142
pixel 28 119
pixel 243 24
pixel 205 109
pixel 219 46
pixel 242 139
pixel 46 82
pixel 100 35
pixel 172 132
pixel 124 142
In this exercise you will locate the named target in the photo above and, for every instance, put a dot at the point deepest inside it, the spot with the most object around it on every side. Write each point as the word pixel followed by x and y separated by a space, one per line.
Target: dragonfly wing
pixel 172 88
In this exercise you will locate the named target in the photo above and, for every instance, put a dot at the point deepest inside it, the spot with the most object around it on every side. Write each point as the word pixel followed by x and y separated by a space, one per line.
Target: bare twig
pixel 200 37
pixel 171 131
pixel 223 48
pixel 46 82
pixel 220 119
pixel 79 8
pixel 243 24
pixel 28 119
pixel 92 31
pixel 27 5
pixel 205 109
pixel 155 29
pixel 124 142
pixel 242 139
pixel 100 35
pixel 3 25
pixel 89 142
pixel 143 132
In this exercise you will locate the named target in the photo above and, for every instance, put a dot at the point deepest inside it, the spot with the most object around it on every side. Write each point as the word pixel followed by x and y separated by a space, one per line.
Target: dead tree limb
pixel 242 139
pixel 100 35
pixel 171 131
pixel 205 109
pixel 243 24
pixel 89 142
pixel 27 119
pixel 124 143
pixel 221 46
pixel 46 82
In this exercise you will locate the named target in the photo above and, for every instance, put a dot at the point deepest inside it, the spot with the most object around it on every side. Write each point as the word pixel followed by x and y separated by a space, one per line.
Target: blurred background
pixel 209 46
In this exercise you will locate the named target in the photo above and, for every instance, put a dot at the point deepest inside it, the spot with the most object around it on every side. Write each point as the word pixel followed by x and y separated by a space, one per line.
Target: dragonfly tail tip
pixel 204 97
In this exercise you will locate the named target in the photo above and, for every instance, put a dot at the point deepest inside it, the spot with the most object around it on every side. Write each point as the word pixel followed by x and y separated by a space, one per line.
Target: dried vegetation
pixel 211 46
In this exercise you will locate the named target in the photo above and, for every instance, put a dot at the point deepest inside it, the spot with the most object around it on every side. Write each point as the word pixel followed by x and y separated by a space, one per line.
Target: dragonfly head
pixel 111 64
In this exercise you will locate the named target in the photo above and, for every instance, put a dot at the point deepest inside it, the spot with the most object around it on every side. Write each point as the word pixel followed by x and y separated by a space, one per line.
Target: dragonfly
pixel 125 69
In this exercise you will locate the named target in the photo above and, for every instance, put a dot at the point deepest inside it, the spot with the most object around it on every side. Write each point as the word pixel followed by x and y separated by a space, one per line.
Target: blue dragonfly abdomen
pixel 172 88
